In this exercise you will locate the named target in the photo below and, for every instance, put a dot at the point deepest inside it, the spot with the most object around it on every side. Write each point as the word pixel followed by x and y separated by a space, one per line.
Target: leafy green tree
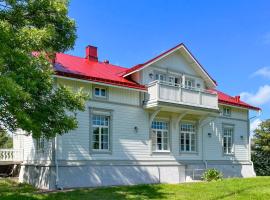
pixel 5 139
pixel 261 149
pixel 28 97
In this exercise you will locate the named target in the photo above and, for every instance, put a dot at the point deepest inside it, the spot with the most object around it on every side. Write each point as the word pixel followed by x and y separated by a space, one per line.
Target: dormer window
pixel 227 111
pixel 100 92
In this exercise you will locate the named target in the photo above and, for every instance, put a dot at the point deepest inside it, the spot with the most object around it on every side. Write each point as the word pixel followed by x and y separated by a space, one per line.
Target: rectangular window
pixel 160 77
pixel 160 135
pixel 100 134
pixel 100 92
pixel 228 139
pixel 227 111
pixel 187 137
pixel 189 84
pixel 172 80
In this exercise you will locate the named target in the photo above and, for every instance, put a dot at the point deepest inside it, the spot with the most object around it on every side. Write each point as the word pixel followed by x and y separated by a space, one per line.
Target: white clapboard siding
pixel 127 144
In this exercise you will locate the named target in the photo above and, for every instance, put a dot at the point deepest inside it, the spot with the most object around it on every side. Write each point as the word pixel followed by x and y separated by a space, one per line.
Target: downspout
pixel 56 164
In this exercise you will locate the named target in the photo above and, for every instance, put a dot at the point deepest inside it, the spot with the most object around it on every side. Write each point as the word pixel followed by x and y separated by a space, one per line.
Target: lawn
pixel 252 188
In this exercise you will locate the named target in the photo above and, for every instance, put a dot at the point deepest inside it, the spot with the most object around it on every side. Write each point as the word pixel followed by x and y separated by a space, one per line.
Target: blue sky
pixel 231 39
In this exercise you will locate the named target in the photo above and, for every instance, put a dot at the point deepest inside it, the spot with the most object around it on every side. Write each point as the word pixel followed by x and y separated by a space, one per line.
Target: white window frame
pixel 171 80
pixel 100 126
pixel 191 135
pixel 227 111
pixel 159 75
pixel 162 127
pixel 228 138
pixel 189 83
pixel 100 89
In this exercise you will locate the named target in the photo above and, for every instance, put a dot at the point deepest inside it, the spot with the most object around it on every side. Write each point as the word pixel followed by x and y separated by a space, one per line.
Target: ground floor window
pixel 187 137
pixel 228 139
pixel 160 136
pixel 100 134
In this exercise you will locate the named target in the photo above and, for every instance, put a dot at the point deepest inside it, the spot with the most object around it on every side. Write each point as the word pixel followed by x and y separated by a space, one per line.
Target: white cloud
pixel 255 124
pixel 264 72
pixel 262 96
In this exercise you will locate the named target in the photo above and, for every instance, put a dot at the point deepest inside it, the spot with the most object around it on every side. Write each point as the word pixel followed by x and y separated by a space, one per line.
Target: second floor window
pixel 160 77
pixel 226 111
pixel 187 137
pixel 228 140
pixel 160 136
pixel 100 92
pixel 100 134
pixel 189 83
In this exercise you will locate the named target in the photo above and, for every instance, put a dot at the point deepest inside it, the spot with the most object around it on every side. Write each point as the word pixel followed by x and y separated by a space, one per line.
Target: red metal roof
pixel 139 66
pixel 229 100
pixel 82 68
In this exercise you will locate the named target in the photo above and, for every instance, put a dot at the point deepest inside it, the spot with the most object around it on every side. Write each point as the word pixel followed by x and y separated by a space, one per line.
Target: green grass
pixel 252 188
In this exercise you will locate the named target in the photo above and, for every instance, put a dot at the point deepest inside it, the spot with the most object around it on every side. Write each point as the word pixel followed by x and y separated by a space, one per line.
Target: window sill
pixel 188 152
pixel 100 152
pixel 228 154
pixel 161 152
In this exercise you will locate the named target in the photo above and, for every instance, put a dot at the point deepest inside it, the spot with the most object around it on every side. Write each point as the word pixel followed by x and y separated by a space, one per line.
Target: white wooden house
pixel 162 121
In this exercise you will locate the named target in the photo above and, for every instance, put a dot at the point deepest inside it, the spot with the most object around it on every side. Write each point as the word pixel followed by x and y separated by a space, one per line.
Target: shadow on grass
pixel 11 190
pixel 124 192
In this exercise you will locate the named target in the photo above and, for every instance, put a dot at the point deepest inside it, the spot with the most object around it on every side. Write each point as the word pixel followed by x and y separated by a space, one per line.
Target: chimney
pixel 91 53
pixel 237 98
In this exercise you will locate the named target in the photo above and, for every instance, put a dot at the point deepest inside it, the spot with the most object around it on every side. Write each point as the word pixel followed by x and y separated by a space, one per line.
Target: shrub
pixel 212 175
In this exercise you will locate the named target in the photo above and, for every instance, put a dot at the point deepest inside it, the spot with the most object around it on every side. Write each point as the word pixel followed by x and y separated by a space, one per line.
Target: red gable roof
pixel 82 68
pixel 229 100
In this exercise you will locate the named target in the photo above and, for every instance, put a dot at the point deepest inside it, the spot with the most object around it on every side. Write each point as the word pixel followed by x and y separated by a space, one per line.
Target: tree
pixel 29 99
pixel 261 149
pixel 5 139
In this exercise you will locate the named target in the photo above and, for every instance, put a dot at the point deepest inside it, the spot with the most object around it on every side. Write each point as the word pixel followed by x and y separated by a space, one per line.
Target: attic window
pixel 227 111
pixel 100 92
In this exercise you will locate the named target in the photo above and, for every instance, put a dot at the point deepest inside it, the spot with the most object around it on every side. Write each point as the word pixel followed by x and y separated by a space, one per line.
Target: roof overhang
pixel 95 81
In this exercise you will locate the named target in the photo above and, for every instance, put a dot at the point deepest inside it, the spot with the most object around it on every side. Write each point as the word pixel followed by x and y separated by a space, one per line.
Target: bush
pixel 212 175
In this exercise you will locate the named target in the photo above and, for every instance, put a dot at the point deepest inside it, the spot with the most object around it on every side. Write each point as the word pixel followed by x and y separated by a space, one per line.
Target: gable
pixel 177 63
pixel 177 55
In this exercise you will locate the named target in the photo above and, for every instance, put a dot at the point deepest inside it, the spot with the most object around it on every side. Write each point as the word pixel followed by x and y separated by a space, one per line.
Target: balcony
pixel 11 156
pixel 164 92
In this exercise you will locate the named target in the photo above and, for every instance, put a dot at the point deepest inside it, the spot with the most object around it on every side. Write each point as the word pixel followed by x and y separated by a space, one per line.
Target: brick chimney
pixel 91 53
pixel 237 98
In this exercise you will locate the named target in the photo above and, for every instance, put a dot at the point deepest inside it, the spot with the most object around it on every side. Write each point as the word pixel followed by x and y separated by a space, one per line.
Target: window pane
pixel 103 92
pixel 165 146
pixel 104 145
pixel 95 145
pixel 97 90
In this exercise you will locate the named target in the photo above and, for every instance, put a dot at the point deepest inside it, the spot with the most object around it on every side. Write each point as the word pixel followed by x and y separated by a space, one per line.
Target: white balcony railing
pixel 175 93
pixel 11 155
